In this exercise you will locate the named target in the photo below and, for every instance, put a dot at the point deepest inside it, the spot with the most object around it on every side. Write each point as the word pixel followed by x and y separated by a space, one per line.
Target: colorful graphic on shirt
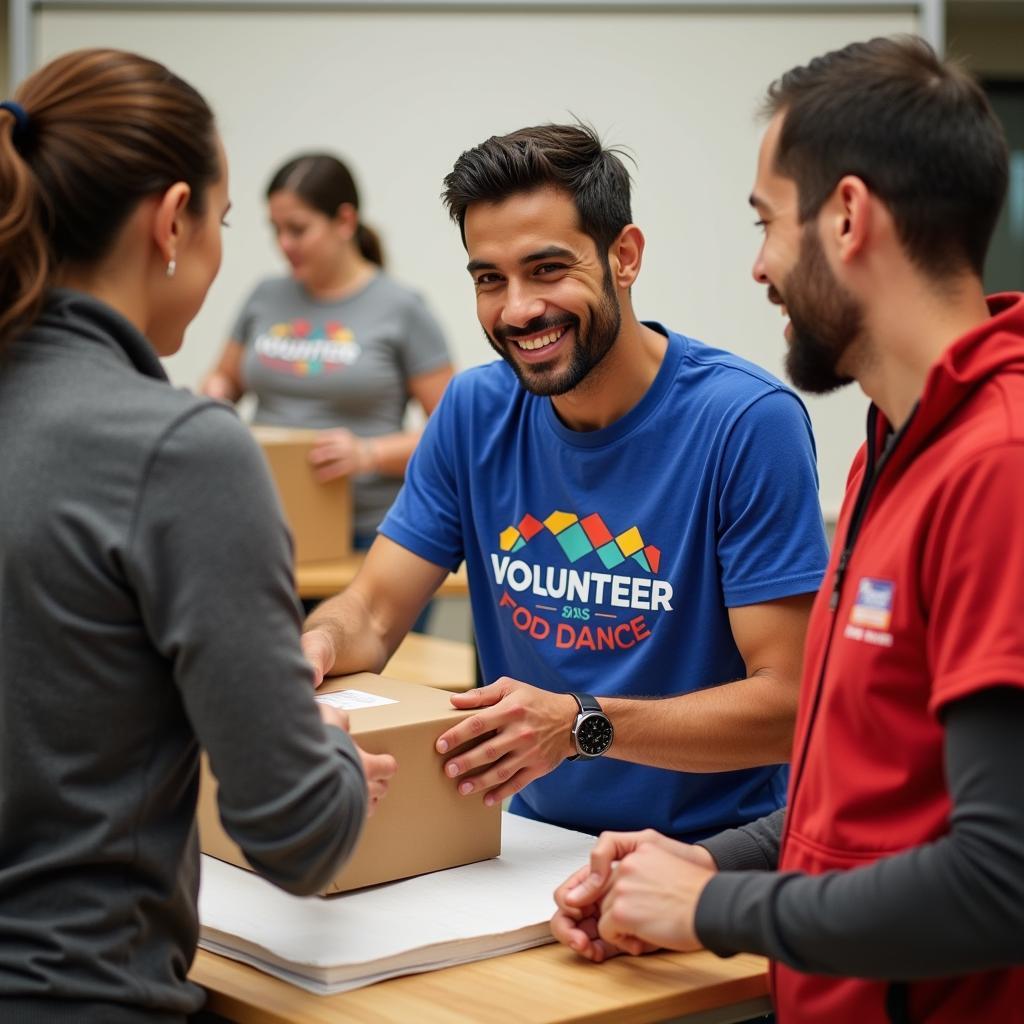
pixel 582 608
pixel 578 537
pixel 299 349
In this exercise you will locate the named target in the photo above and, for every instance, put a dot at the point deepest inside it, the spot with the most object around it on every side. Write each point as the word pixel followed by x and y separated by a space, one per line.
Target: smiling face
pixel 544 295
pixel 824 318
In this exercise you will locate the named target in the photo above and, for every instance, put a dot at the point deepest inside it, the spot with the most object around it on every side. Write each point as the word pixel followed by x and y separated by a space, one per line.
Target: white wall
pixel 401 94
pixel 5 86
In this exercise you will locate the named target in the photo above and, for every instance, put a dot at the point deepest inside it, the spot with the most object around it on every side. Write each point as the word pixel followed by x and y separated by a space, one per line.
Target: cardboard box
pixel 319 515
pixel 422 824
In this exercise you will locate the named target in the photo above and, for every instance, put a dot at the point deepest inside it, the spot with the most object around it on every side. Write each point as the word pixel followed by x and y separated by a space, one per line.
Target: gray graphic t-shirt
pixel 342 363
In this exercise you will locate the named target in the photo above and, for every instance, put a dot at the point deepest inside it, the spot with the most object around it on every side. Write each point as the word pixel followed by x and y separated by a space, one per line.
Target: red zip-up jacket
pixel 925 607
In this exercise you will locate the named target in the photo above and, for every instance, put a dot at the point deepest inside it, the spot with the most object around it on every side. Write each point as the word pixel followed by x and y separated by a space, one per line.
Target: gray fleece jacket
pixel 146 610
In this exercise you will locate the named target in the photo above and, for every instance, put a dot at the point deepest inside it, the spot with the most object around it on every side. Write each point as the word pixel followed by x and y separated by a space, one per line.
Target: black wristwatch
pixel 592 732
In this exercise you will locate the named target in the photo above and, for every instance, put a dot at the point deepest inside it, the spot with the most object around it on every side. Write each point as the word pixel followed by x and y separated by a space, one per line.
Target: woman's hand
pixel 378 768
pixel 340 453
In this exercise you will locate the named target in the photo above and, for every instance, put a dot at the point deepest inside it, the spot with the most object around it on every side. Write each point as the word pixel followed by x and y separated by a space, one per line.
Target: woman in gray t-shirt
pixel 337 346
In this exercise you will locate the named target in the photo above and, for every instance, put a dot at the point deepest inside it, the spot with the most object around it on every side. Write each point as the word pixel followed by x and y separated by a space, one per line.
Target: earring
pixel 172 266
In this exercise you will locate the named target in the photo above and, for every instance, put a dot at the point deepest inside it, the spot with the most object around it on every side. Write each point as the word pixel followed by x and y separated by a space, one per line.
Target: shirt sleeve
pixel 211 564
pixel 948 907
pixel 242 328
pixel 426 516
pixel 423 348
pixel 751 847
pixel 771 537
pixel 972 576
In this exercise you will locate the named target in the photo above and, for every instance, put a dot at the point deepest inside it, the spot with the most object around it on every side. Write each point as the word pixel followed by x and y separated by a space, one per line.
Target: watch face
pixel 594 735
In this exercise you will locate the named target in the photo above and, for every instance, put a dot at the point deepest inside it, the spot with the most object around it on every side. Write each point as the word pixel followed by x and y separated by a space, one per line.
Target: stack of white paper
pixel 419 924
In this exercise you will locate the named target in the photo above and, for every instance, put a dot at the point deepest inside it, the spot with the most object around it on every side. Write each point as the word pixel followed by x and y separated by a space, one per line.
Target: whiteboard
pixel 399 92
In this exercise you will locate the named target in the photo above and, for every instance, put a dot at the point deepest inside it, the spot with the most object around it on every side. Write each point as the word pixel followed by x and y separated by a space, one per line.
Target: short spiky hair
pixel 567 157
pixel 919 132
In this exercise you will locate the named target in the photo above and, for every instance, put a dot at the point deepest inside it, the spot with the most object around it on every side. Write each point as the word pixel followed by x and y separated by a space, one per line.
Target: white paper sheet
pixel 418 924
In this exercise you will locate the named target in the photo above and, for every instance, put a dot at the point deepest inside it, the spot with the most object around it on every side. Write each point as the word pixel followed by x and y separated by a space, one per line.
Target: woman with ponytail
pixel 142 616
pixel 338 345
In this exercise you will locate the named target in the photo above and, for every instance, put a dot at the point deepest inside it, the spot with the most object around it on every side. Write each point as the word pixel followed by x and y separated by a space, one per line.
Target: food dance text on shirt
pixel 621 636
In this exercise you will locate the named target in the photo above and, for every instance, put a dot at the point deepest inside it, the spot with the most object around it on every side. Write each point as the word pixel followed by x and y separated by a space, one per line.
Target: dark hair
pixel 104 130
pixel 323 182
pixel 569 157
pixel 919 132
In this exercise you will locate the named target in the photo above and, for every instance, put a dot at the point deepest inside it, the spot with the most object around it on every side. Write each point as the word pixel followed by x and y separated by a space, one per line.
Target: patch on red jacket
pixel 871 614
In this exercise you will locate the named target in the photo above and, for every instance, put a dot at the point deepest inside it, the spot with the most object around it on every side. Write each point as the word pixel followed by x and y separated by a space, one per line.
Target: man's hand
pixel 579 898
pixel 531 736
pixel 576 924
pixel 318 648
pixel 652 901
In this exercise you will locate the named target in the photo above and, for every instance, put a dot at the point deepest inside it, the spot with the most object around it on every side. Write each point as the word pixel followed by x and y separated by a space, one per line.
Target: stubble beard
pixel 589 350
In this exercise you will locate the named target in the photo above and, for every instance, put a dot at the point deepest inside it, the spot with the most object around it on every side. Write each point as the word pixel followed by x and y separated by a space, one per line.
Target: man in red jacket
pixel 892 888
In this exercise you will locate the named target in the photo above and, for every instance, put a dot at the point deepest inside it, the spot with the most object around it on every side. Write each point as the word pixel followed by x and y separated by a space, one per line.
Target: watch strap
pixel 587 703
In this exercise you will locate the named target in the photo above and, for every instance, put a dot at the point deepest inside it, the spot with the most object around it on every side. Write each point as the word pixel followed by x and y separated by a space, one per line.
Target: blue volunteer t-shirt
pixel 606 561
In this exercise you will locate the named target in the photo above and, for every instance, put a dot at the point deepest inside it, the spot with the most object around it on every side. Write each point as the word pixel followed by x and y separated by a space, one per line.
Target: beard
pixel 590 348
pixel 825 320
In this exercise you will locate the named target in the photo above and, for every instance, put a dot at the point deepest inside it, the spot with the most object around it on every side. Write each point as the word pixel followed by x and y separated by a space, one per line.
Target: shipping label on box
pixel 423 824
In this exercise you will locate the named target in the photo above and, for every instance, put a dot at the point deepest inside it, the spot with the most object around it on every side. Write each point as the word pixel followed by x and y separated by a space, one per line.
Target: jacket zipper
pixel 873 470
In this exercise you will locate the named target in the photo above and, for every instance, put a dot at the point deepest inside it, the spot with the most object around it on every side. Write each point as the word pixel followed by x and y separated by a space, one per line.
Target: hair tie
pixel 22 123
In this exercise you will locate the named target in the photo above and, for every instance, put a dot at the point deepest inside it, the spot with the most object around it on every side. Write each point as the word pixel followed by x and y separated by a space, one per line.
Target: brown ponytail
pixel 24 256
pixel 323 182
pixel 369 244
pixel 105 129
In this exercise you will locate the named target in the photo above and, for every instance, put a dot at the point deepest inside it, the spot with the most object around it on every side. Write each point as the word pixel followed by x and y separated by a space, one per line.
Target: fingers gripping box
pixel 422 824
pixel 319 515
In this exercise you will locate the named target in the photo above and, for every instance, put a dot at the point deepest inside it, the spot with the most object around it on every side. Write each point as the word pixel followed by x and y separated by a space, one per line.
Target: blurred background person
pixel 338 345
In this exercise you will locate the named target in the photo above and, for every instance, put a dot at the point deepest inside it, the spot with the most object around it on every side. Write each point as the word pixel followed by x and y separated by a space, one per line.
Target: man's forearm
pixel 742 724
pixel 947 907
pixel 360 628
pixel 354 642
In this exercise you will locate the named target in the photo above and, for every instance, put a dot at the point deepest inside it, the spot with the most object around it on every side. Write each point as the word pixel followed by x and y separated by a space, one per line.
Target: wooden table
pixel 324 579
pixel 434 661
pixel 546 985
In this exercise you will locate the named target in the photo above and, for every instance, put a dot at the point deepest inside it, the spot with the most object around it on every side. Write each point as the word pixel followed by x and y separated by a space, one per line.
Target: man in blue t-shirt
pixel 638 516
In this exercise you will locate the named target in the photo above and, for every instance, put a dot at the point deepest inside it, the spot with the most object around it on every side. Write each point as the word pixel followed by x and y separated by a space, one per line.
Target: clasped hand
pixel 522 733
pixel 638 893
